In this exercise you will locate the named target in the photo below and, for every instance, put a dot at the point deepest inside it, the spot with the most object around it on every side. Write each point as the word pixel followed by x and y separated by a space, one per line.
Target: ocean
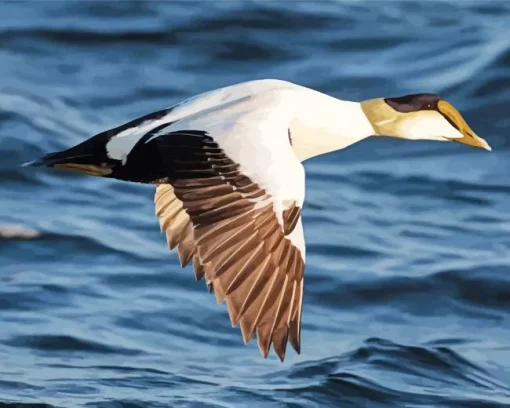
pixel 407 293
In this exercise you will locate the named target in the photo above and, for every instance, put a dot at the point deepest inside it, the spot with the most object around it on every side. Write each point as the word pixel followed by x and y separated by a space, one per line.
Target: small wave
pixel 342 251
pixel 17 232
pixel 408 185
pixel 92 38
pixel 38 298
pixel 67 344
pixel 60 243
pixel 386 373
pixel 25 405
pixel 472 292
pixel 130 403
pixel 122 369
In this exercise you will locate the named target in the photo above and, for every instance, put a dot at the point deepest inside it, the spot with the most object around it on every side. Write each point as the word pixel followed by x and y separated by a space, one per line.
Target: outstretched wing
pixel 232 203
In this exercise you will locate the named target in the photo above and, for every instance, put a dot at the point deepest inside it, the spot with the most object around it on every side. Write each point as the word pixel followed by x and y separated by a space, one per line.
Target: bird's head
pixel 420 117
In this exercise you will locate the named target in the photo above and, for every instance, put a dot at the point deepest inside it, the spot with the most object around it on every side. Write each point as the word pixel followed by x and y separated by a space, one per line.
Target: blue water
pixel 407 294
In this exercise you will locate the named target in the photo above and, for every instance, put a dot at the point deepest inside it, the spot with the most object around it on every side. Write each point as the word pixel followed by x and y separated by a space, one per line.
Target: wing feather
pixel 186 246
pixel 231 228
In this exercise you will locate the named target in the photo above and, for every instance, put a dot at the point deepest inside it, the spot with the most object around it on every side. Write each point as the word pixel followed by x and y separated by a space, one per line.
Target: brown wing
pixel 175 223
pixel 227 225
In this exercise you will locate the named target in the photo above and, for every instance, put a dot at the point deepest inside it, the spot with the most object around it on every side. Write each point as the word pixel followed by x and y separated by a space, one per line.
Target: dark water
pixel 407 295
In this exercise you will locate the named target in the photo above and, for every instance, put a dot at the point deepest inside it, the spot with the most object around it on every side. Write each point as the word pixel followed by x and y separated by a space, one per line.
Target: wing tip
pixel 264 342
pixel 184 258
pixel 246 331
pixel 296 347
pixel 264 353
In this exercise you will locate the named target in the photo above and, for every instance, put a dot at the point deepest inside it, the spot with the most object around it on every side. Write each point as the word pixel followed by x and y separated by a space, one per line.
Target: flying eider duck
pixel 230 184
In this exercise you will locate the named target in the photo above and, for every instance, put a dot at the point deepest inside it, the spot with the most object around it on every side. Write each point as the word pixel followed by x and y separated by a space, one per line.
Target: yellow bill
pixel 454 117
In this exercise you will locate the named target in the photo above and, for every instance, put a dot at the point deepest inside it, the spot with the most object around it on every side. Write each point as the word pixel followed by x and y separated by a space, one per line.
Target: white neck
pixel 323 124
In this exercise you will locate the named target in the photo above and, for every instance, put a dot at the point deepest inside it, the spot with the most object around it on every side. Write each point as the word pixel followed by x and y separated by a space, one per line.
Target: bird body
pixel 334 123
pixel 230 184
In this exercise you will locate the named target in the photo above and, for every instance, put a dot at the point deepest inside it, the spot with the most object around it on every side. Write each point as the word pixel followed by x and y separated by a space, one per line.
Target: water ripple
pixel 407 289
pixel 387 361
pixel 66 344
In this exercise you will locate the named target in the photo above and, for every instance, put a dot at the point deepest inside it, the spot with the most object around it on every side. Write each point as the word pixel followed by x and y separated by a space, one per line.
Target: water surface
pixel 407 295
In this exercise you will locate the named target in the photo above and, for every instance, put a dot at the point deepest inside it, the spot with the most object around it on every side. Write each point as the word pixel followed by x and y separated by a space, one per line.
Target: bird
pixel 229 179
